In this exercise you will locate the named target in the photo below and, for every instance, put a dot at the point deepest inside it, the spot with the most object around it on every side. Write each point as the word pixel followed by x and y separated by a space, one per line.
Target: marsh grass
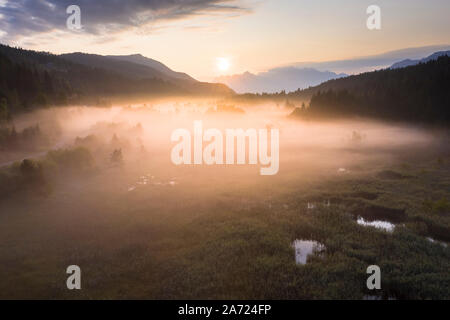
pixel 227 233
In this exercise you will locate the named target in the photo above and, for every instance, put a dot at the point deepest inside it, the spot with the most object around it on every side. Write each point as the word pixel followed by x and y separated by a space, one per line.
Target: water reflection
pixel 379 224
pixel 148 179
pixel 304 248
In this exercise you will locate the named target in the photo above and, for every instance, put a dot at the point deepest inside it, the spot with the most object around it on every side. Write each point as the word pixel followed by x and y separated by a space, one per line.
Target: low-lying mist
pixel 128 142
pixel 147 128
pixel 97 187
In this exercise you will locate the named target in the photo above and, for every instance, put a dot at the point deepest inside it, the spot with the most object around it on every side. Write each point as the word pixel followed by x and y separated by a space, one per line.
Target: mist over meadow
pixel 190 150
pixel 98 188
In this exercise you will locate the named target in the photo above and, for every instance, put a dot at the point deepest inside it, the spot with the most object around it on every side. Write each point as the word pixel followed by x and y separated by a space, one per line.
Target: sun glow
pixel 223 64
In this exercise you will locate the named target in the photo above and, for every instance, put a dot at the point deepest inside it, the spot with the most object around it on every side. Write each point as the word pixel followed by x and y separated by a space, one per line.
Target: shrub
pixel 116 157
pixel 441 206
pixel 32 177
pixel 78 159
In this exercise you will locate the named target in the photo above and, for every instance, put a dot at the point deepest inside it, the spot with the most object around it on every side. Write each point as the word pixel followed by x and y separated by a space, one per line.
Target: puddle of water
pixel 148 179
pixel 304 248
pixel 375 212
pixel 379 224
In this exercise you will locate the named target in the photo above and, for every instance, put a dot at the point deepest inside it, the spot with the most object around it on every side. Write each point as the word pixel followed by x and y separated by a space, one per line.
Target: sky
pixel 209 38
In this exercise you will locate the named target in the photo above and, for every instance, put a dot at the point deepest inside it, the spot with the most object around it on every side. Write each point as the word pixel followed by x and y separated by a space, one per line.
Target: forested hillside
pixel 418 93
pixel 24 86
pixel 30 79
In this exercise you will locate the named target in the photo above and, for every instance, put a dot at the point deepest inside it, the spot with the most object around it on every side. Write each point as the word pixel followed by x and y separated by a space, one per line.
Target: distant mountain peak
pixel 92 75
pixel 159 66
pixel 408 62
pixel 287 78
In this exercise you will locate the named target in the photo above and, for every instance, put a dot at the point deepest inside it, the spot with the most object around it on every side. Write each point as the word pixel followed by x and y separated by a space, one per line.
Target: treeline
pixel 36 176
pixel 23 87
pixel 418 93
pixel 29 138
pixel 30 79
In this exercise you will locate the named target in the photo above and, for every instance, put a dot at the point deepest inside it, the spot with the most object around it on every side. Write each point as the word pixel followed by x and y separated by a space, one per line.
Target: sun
pixel 223 64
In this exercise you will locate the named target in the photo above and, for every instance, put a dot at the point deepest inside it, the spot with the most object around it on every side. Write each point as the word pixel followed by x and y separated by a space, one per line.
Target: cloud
pixel 100 17
pixel 373 62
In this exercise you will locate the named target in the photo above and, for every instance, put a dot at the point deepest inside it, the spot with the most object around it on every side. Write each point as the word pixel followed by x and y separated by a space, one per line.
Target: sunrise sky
pixel 207 38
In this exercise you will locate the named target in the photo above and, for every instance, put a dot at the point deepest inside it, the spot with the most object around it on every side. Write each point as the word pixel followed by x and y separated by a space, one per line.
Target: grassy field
pixel 147 230
pixel 162 241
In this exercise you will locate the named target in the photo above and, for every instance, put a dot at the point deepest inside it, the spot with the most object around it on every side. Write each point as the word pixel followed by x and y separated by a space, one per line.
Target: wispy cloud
pixel 100 17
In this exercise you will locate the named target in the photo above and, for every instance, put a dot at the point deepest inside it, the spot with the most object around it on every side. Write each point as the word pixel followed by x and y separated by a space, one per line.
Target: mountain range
pixel 87 75
pixel 410 62
pixel 417 93
pixel 156 65
pixel 362 64
pixel 301 75
pixel 31 79
pixel 133 66
pixel 278 79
